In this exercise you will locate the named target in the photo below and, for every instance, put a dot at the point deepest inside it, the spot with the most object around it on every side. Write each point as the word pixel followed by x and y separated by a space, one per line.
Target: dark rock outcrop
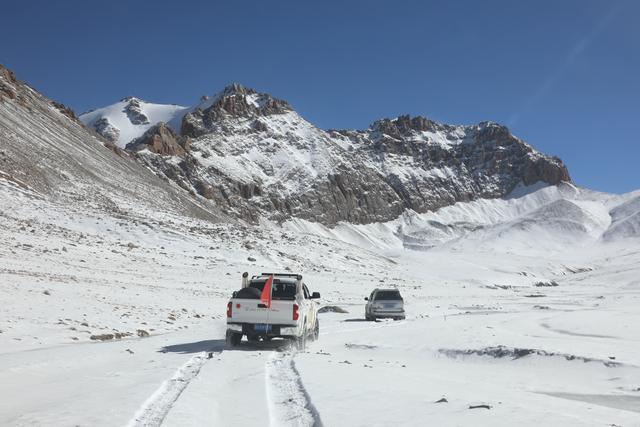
pixel 107 130
pixel 133 109
pixel 160 139
pixel 537 168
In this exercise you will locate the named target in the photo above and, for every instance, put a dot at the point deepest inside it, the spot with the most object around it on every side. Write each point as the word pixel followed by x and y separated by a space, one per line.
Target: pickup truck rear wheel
pixel 233 338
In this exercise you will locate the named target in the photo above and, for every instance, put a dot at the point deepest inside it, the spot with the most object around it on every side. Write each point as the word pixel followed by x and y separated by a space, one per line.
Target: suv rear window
pixel 388 296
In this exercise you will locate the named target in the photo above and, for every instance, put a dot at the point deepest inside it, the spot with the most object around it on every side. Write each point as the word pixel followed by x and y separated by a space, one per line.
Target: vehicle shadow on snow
pixel 276 344
pixel 220 345
pixel 194 347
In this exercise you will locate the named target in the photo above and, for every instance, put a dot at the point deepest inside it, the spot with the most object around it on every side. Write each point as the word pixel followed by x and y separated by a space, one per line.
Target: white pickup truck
pixel 293 313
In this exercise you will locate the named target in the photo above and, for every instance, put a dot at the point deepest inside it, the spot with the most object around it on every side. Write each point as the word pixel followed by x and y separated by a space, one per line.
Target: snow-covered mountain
pixel 253 155
pixel 129 118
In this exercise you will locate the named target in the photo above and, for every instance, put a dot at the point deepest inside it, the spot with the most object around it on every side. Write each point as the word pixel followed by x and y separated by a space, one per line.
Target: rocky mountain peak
pixel 491 131
pixel 234 101
pixel 236 89
pixel 407 127
pixel 403 125
pixel 238 100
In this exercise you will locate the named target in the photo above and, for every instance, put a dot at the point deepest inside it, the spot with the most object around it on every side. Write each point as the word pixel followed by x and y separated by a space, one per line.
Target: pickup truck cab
pixel 292 314
pixel 384 303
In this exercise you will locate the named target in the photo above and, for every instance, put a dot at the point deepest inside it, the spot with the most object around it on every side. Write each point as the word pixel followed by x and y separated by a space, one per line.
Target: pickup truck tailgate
pixel 281 312
pixel 249 311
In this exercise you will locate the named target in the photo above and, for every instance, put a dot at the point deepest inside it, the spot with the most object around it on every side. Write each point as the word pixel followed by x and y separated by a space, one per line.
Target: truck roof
pixel 281 276
pixel 296 275
pixel 277 279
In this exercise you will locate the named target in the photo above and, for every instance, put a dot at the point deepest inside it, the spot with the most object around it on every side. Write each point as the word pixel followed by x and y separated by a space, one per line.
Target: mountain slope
pixel 556 219
pixel 254 155
pixel 48 152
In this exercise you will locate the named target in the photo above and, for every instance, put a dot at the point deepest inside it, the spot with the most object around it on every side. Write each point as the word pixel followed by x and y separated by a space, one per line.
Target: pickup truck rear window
pixel 279 290
pixel 247 293
pixel 284 291
pixel 388 296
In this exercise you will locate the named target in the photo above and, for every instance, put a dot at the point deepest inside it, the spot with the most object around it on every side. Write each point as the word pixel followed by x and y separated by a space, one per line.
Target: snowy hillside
pixel 625 218
pixel 552 217
pixel 507 332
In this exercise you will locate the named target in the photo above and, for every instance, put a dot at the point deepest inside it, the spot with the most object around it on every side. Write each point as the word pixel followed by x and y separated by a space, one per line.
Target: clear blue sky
pixel 563 75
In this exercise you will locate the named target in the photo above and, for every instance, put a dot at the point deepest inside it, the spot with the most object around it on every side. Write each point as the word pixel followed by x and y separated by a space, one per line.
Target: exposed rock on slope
pixel 160 139
pixel 134 112
pixel 106 129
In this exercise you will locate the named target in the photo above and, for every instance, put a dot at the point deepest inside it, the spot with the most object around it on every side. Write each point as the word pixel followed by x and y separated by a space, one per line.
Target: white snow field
pixel 523 311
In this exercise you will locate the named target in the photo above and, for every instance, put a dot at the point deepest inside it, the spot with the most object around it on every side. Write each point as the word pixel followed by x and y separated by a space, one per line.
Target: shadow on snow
pixel 194 347
pixel 220 345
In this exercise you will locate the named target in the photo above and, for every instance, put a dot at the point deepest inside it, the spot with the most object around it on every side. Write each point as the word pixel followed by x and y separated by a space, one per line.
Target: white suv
pixel 384 303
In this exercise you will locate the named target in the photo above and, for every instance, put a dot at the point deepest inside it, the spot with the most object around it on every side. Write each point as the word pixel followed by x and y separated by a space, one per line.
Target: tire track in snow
pixel 288 400
pixel 154 410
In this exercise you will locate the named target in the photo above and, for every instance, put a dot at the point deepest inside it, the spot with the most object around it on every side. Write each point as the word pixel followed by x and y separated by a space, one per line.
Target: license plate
pixel 261 327
pixel 389 305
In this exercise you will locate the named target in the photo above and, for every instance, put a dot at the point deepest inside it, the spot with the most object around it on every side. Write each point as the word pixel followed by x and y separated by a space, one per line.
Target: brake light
pixel 296 315
pixel 229 309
